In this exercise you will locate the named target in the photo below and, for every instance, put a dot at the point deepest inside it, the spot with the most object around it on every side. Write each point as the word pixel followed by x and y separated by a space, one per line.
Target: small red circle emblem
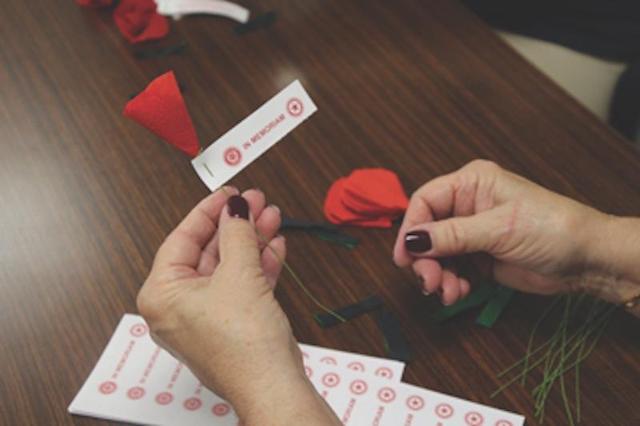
pixel 232 156
pixel 295 107
pixel 192 404
pixel 107 388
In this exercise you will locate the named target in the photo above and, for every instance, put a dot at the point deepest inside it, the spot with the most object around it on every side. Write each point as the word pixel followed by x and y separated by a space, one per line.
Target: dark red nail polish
pixel 417 241
pixel 238 207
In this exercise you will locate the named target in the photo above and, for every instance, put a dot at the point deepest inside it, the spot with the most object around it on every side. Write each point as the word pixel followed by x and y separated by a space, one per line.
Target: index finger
pixel 433 200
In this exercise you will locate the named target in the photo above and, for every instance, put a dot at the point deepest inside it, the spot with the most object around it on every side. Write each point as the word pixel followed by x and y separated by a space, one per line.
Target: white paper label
pixel 135 381
pixel 178 8
pixel 253 136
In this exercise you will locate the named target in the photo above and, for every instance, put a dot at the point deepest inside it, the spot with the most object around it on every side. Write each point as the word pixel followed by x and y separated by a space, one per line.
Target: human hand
pixel 209 301
pixel 537 240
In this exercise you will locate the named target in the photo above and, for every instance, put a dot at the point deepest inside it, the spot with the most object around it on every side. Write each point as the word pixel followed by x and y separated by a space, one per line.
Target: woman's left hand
pixel 209 301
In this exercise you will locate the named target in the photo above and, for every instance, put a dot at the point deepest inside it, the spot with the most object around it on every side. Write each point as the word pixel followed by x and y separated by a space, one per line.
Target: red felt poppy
pixel 379 188
pixel 161 109
pixel 94 3
pixel 138 20
pixel 367 198
pixel 337 212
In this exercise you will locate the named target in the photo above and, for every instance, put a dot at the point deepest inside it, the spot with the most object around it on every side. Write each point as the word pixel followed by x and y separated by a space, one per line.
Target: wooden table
pixel 420 87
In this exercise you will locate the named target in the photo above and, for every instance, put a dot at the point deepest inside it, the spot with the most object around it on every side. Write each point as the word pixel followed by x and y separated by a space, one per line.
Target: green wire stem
pixel 295 276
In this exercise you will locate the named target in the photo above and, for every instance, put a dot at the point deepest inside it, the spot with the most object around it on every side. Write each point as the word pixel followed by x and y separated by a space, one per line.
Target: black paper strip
pixel 261 21
pixel 394 341
pixel 349 312
pixel 160 51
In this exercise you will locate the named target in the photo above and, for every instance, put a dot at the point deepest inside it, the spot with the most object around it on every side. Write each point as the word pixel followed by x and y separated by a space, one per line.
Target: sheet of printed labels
pixel 136 381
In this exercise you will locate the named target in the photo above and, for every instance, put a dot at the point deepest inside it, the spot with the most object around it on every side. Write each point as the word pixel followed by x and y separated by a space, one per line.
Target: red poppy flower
pixel 94 3
pixel 139 21
pixel 370 198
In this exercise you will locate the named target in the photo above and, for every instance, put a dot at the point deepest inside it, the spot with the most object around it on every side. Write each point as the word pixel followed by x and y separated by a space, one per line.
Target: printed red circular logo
pixel 232 156
pixel 415 402
pixel 138 330
pixel 358 387
pixel 356 366
pixel 295 107
pixel 135 392
pixel 221 409
pixel 444 411
pixel 308 371
pixel 164 398
pixel 504 423
pixel 384 372
pixel 192 404
pixel 331 380
pixel 474 418
pixel 329 360
pixel 107 388
pixel 386 395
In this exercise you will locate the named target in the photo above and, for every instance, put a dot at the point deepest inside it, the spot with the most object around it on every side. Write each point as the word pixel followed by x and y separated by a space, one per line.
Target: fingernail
pixel 238 207
pixel 417 241
pixel 273 206
pixel 426 293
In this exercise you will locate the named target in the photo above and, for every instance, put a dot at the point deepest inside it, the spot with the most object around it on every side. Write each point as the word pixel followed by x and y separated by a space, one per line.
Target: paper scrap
pixel 253 136
pixel 179 8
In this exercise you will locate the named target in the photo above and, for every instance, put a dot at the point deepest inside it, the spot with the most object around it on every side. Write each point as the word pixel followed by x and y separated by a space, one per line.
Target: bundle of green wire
pixel 571 343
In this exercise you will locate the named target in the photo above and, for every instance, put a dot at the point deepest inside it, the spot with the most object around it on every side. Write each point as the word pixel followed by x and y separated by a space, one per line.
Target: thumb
pixel 455 236
pixel 238 243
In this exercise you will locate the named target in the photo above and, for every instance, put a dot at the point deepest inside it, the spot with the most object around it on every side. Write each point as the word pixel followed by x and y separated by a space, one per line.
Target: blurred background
pixel 589 47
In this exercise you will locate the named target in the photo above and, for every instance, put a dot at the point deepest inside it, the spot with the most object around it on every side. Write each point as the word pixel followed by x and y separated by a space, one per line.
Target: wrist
pixel 285 399
pixel 612 269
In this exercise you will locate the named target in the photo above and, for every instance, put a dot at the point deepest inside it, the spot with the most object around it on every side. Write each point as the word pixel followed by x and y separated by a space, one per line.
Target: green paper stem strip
pixel 324 231
pixel 478 296
pixel 495 306
pixel 339 238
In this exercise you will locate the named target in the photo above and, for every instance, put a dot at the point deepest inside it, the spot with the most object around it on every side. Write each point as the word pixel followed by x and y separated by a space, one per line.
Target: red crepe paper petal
pixel 367 198
pixel 334 210
pixel 138 20
pixel 382 222
pixel 161 109
pixel 379 187
pixel 94 3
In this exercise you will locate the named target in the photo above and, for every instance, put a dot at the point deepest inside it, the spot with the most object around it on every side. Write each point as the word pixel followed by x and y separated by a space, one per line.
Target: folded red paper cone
pixel 380 188
pixel 161 109
pixel 138 20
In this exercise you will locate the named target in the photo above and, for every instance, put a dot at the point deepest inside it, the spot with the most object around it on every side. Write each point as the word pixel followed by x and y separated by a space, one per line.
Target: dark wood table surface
pixel 420 87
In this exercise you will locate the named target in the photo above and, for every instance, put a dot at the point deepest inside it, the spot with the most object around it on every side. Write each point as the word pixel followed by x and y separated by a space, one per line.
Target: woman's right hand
pixel 538 241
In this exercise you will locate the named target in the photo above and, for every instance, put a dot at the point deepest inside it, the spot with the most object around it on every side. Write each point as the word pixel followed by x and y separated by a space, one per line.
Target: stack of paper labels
pixel 136 381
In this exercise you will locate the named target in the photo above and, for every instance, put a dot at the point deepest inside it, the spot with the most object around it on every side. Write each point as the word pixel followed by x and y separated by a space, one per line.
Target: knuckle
pixel 482 165
pixel 456 236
